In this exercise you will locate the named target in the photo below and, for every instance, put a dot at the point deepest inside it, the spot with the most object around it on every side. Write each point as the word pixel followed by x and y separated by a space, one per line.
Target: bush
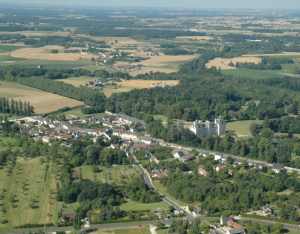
pixel 4 221
pixel 61 232
pixel 33 225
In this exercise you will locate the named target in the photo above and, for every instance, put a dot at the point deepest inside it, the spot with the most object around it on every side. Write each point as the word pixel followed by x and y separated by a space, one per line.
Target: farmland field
pixel 31 173
pixel 128 230
pixel 43 102
pixel 9 48
pixel 77 113
pixel 241 127
pixel 77 81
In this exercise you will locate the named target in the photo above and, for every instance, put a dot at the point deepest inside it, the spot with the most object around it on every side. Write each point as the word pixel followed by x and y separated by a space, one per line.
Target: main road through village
pixel 148 181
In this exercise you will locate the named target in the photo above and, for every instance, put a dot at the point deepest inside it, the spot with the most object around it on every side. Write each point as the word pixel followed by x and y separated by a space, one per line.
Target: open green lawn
pixel 77 113
pixel 8 48
pixel 162 117
pixel 241 127
pixel 6 142
pixel 257 74
pixel 163 190
pixel 9 95
pixel 290 231
pixel 12 85
pixel 48 64
pixel 136 207
pixel 30 172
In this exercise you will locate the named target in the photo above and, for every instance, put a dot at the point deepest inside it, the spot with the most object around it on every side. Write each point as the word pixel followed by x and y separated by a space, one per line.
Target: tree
pixel 295 108
pixel 76 223
pixel 159 225
pixel 255 128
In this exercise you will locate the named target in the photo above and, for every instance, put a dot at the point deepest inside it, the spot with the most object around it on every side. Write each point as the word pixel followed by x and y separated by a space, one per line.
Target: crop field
pixel 144 83
pixel 43 102
pixel 9 48
pixel 77 81
pixel 241 127
pixel 28 182
pixel 39 53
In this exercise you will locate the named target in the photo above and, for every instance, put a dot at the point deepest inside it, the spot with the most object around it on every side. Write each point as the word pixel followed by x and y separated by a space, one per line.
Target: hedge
pixel 122 221
pixel 60 232
pixel 270 219
pixel 33 225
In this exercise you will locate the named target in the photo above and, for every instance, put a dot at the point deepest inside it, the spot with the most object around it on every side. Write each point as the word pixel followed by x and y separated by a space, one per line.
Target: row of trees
pixel 15 107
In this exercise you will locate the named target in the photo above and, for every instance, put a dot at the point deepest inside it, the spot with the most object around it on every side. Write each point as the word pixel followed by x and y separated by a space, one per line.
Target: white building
pixel 218 127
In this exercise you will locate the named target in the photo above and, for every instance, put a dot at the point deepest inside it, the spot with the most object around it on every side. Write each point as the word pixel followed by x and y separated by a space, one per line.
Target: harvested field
pixel 76 81
pixel 223 63
pixel 144 70
pixel 43 102
pixel 144 83
pixel 219 62
pixel 157 63
pixel 39 53
pixel 249 59
pixel 283 53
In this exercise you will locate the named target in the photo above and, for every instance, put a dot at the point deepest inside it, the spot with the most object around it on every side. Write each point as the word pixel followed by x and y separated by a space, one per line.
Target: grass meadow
pixel 241 127
pixel 8 48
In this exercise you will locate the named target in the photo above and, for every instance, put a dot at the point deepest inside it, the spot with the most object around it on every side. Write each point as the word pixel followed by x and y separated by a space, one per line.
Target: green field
pixel 256 74
pixel 77 113
pixel 241 127
pixel 12 85
pixel 8 48
pixel 48 64
pixel 136 207
pixel 31 173
pixel 163 190
pixel 135 229
pixel 9 95
pixel 162 117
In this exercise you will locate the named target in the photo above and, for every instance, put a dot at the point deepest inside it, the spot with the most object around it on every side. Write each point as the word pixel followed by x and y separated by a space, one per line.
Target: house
pixel 238 160
pixel 40 66
pixel 157 211
pixel 230 172
pixel 277 167
pixel 153 159
pixel 236 231
pixel 166 216
pixel 186 158
pixel 219 168
pixel 158 175
pixel 130 120
pixel 203 153
pixel 139 146
pixel 68 216
pixel 202 171
pixel 178 154
pixel 146 140
pixel 114 146
pixel 233 224
pixel 261 167
pixel 47 139
pixel 196 210
pixel 218 157
pixel 225 220
pixel 224 158
pixel 177 212
pixel 266 210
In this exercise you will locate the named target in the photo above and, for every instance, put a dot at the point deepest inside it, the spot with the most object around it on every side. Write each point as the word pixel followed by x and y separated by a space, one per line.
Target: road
pixel 148 181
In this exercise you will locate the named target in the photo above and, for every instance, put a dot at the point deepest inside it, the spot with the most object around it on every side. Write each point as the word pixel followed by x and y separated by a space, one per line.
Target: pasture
pixel 4 48
pixel 43 102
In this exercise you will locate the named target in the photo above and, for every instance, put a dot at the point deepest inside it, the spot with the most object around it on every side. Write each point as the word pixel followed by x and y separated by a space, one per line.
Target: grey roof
pixel 204 152
pixel 180 153
pixel 237 231
pixel 145 138
pixel 237 160
pixel 277 166
pixel 187 157
pixel 131 119
pixel 158 209
pixel 225 219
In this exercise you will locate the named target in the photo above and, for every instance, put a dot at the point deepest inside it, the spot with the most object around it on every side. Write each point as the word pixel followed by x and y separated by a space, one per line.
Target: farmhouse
pixel 225 220
pixel 47 139
pixel 266 210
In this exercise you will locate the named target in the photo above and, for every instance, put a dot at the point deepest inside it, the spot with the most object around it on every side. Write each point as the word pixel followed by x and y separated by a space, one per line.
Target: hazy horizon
pixel 214 4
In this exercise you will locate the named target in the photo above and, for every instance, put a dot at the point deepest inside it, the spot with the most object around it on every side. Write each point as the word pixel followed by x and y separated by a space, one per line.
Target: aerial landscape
pixel 149 119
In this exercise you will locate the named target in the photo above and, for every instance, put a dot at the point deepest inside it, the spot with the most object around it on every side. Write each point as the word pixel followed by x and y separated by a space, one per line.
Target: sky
pixel 228 4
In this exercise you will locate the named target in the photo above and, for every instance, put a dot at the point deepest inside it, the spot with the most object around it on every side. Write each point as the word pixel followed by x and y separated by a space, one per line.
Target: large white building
pixel 218 127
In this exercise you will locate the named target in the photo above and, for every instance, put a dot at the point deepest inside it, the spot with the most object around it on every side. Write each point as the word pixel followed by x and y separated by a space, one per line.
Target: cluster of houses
pixel 228 226
pixel 162 84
